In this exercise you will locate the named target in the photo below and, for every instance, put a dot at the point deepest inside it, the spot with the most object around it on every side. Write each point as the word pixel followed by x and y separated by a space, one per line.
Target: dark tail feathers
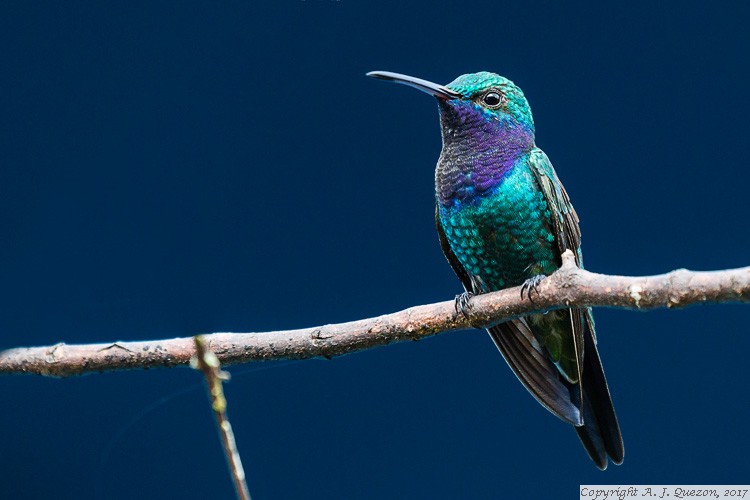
pixel 600 433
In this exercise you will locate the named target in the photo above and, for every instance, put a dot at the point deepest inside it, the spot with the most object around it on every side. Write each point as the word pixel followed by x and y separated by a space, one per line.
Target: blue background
pixel 174 168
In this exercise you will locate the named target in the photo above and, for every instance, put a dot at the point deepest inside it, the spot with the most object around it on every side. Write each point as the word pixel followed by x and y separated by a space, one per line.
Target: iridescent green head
pixel 495 95
pixel 474 97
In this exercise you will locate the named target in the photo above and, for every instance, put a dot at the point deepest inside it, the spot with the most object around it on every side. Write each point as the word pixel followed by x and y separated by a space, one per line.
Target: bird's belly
pixel 505 237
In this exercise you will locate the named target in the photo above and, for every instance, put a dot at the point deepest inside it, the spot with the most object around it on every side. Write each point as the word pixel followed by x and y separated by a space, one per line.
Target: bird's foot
pixel 531 285
pixel 463 305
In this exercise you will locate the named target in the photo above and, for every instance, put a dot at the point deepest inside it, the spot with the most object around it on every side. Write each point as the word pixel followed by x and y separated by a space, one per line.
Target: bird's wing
pixel 567 231
pixel 531 364
pixel 564 217
pixel 524 354
pixel 601 433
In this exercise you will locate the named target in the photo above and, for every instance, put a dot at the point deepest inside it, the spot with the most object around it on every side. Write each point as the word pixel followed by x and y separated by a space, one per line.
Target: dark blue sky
pixel 174 168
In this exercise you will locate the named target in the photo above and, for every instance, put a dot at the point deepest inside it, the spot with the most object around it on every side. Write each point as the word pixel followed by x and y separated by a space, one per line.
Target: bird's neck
pixel 477 155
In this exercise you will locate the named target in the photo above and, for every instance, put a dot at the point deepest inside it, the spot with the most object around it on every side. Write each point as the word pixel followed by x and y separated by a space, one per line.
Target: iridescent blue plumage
pixel 503 218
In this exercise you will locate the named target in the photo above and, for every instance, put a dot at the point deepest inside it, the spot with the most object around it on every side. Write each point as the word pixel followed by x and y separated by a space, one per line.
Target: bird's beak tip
pixel 379 75
pixel 439 91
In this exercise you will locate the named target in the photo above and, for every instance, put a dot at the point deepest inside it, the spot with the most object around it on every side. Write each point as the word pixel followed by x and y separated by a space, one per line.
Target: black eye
pixel 492 99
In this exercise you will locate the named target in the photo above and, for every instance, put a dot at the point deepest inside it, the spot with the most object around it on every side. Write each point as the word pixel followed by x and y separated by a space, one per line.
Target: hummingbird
pixel 504 219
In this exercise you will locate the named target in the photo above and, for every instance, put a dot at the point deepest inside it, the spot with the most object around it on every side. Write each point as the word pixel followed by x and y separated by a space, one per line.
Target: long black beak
pixel 431 88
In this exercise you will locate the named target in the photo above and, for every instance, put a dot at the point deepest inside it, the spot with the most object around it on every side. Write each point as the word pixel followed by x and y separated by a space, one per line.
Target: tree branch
pixel 569 286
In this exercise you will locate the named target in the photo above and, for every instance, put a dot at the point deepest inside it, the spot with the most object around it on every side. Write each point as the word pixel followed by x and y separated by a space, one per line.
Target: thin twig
pixel 206 361
pixel 569 286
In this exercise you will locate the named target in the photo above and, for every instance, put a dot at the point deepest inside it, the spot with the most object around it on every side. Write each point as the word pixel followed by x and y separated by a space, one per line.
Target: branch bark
pixel 569 286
